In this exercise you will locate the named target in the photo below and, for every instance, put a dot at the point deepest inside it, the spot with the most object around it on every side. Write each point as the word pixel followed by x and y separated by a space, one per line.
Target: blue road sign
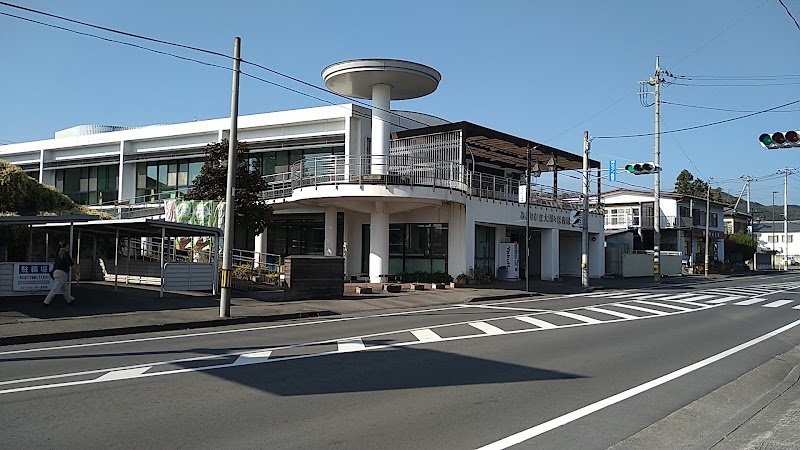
pixel 612 170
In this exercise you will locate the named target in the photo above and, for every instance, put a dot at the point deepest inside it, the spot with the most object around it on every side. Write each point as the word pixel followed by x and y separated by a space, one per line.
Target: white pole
pixel 785 219
pixel 657 182
pixel 708 214
pixel 230 194
pixel 585 214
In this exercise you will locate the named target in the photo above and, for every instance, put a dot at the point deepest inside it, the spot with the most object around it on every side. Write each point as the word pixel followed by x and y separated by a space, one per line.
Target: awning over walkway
pixel 130 227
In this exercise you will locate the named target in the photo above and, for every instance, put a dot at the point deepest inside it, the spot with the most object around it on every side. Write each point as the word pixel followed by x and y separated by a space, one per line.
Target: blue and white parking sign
pixel 612 170
pixel 33 276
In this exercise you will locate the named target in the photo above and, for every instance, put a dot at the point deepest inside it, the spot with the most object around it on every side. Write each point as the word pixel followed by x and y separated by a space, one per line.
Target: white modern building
pixel 393 192
pixel 682 221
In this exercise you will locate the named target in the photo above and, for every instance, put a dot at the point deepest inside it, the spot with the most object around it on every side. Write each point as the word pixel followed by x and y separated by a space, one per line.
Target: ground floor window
pixel 484 249
pixel 301 234
pixel 89 185
pixel 413 247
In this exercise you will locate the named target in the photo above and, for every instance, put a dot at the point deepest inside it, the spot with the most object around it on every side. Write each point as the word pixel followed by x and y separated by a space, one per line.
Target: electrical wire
pixel 790 14
pixel 699 126
pixel 699 172
pixel 197 61
pixel 722 109
pixel 198 49
pixel 734 85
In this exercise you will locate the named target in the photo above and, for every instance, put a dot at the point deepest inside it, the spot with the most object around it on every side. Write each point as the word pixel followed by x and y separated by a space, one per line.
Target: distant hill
pixel 763 211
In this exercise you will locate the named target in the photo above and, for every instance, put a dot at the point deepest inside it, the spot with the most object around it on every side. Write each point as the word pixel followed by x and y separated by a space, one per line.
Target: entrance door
pixel 484 249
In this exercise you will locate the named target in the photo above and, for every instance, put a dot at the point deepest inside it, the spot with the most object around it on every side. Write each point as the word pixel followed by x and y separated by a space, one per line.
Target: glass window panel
pixel 395 264
pixel 162 177
pixel 397 239
pixel 295 156
pixel 439 239
pixel 439 265
pixel 93 198
pixel 172 180
pixel 60 180
pixel 418 240
pixel 269 162
pixel 183 178
pixel 152 176
pixel 418 265
pixel 194 170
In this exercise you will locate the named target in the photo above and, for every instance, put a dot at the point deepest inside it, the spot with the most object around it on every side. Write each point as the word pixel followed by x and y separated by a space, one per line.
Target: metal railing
pixel 408 171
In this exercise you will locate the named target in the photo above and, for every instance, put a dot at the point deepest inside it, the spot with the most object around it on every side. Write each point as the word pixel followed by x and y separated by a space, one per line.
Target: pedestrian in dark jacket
pixel 60 275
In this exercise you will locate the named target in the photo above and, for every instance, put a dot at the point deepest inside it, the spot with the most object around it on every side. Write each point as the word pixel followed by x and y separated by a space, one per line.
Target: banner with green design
pixel 207 213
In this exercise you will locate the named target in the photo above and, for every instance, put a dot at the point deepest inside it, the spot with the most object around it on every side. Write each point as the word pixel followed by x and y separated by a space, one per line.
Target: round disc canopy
pixel 355 78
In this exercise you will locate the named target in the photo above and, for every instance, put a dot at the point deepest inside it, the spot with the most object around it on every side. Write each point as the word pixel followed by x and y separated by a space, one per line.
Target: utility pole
pixel 528 221
pixel 708 219
pixel 786 172
pixel 655 80
pixel 585 214
pixel 230 194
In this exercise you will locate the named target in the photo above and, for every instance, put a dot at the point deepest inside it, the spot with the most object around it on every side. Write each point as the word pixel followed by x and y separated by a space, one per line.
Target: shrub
pixel 426 277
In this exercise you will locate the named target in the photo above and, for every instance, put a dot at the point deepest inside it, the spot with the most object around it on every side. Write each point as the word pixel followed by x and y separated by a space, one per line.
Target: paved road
pixel 575 371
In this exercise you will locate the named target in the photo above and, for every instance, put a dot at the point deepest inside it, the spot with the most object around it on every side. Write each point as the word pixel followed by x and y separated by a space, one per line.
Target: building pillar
pixel 597 255
pixel 381 96
pixel 458 244
pixel 378 243
pixel 330 232
pixel 550 254
pixel 260 247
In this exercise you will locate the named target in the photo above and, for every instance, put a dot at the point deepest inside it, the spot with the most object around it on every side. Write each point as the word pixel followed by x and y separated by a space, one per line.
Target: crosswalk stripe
pixel 663 305
pixel 538 322
pixel 627 294
pixel 426 335
pixel 649 296
pixel 796 307
pixel 601 294
pixel 687 302
pixel 698 298
pixel 611 313
pixel 487 328
pixel 350 345
pixel 676 296
pixel 751 301
pixel 577 317
pixel 123 374
pixel 778 303
pixel 639 308
pixel 726 299
pixel 252 358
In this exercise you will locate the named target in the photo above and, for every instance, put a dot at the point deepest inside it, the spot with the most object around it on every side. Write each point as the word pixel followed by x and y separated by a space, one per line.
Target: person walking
pixel 60 275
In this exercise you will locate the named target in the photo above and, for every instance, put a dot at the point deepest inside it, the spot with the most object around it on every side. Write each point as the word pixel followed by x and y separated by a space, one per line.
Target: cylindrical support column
pixel 330 232
pixel 381 96
pixel 378 243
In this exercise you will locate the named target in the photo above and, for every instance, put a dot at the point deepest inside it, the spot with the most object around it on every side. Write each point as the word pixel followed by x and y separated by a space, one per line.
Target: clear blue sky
pixel 540 69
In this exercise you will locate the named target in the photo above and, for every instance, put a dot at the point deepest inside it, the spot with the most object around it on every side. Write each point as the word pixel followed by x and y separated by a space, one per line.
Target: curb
pixel 173 326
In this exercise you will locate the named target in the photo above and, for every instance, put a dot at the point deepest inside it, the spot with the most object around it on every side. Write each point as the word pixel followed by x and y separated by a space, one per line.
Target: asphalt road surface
pixel 576 371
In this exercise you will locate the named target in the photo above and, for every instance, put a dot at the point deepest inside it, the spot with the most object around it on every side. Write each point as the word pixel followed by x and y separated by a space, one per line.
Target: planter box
pixel 392 288
pixel 437 286
pixel 417 287
pixel 363 290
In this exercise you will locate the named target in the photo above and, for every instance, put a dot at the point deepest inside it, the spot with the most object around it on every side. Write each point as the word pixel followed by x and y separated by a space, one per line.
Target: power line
pixel 198 49
pixel 722 109
pixel 733 85
pixel 698 126
pixel 790 14
pixel 738 77
pixel 197 61
pixel 699 172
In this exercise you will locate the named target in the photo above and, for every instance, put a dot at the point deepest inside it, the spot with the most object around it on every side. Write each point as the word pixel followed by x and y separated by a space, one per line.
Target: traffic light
pixel 779 140
pixel 645 168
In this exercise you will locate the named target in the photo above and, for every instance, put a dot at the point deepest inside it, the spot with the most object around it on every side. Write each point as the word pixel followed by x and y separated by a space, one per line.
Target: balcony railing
pixel 332 170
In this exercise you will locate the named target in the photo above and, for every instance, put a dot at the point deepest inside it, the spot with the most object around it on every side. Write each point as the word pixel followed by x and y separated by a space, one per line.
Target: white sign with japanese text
pixel 32 276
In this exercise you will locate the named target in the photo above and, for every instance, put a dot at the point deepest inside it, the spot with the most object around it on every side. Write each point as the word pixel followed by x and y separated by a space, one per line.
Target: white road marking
pixel 627 294
pixel 687 302
pixel 350 345
pixel 252 358
pixel 750 301
pixel 426 335
pixel 538 322
pixel 698 298
pixel 663 305
pixel 552 424
pixel 796 307
pixel 123 374
pixel 726 299
pixel 651 296
pixel 577 317
pixel 639 308
pixel 506 308
pixel 486 328
pixel 778 303
pixel 676 296
pixel 611 313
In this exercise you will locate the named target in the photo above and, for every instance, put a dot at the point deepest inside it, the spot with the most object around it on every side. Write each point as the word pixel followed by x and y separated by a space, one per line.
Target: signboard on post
pixel 523 193
pixel 612 170
pixel 32 276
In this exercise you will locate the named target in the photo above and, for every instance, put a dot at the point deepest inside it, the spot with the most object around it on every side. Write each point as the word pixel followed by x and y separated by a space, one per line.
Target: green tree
pixel 250 209
pixel 687 184
pixel 740 243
